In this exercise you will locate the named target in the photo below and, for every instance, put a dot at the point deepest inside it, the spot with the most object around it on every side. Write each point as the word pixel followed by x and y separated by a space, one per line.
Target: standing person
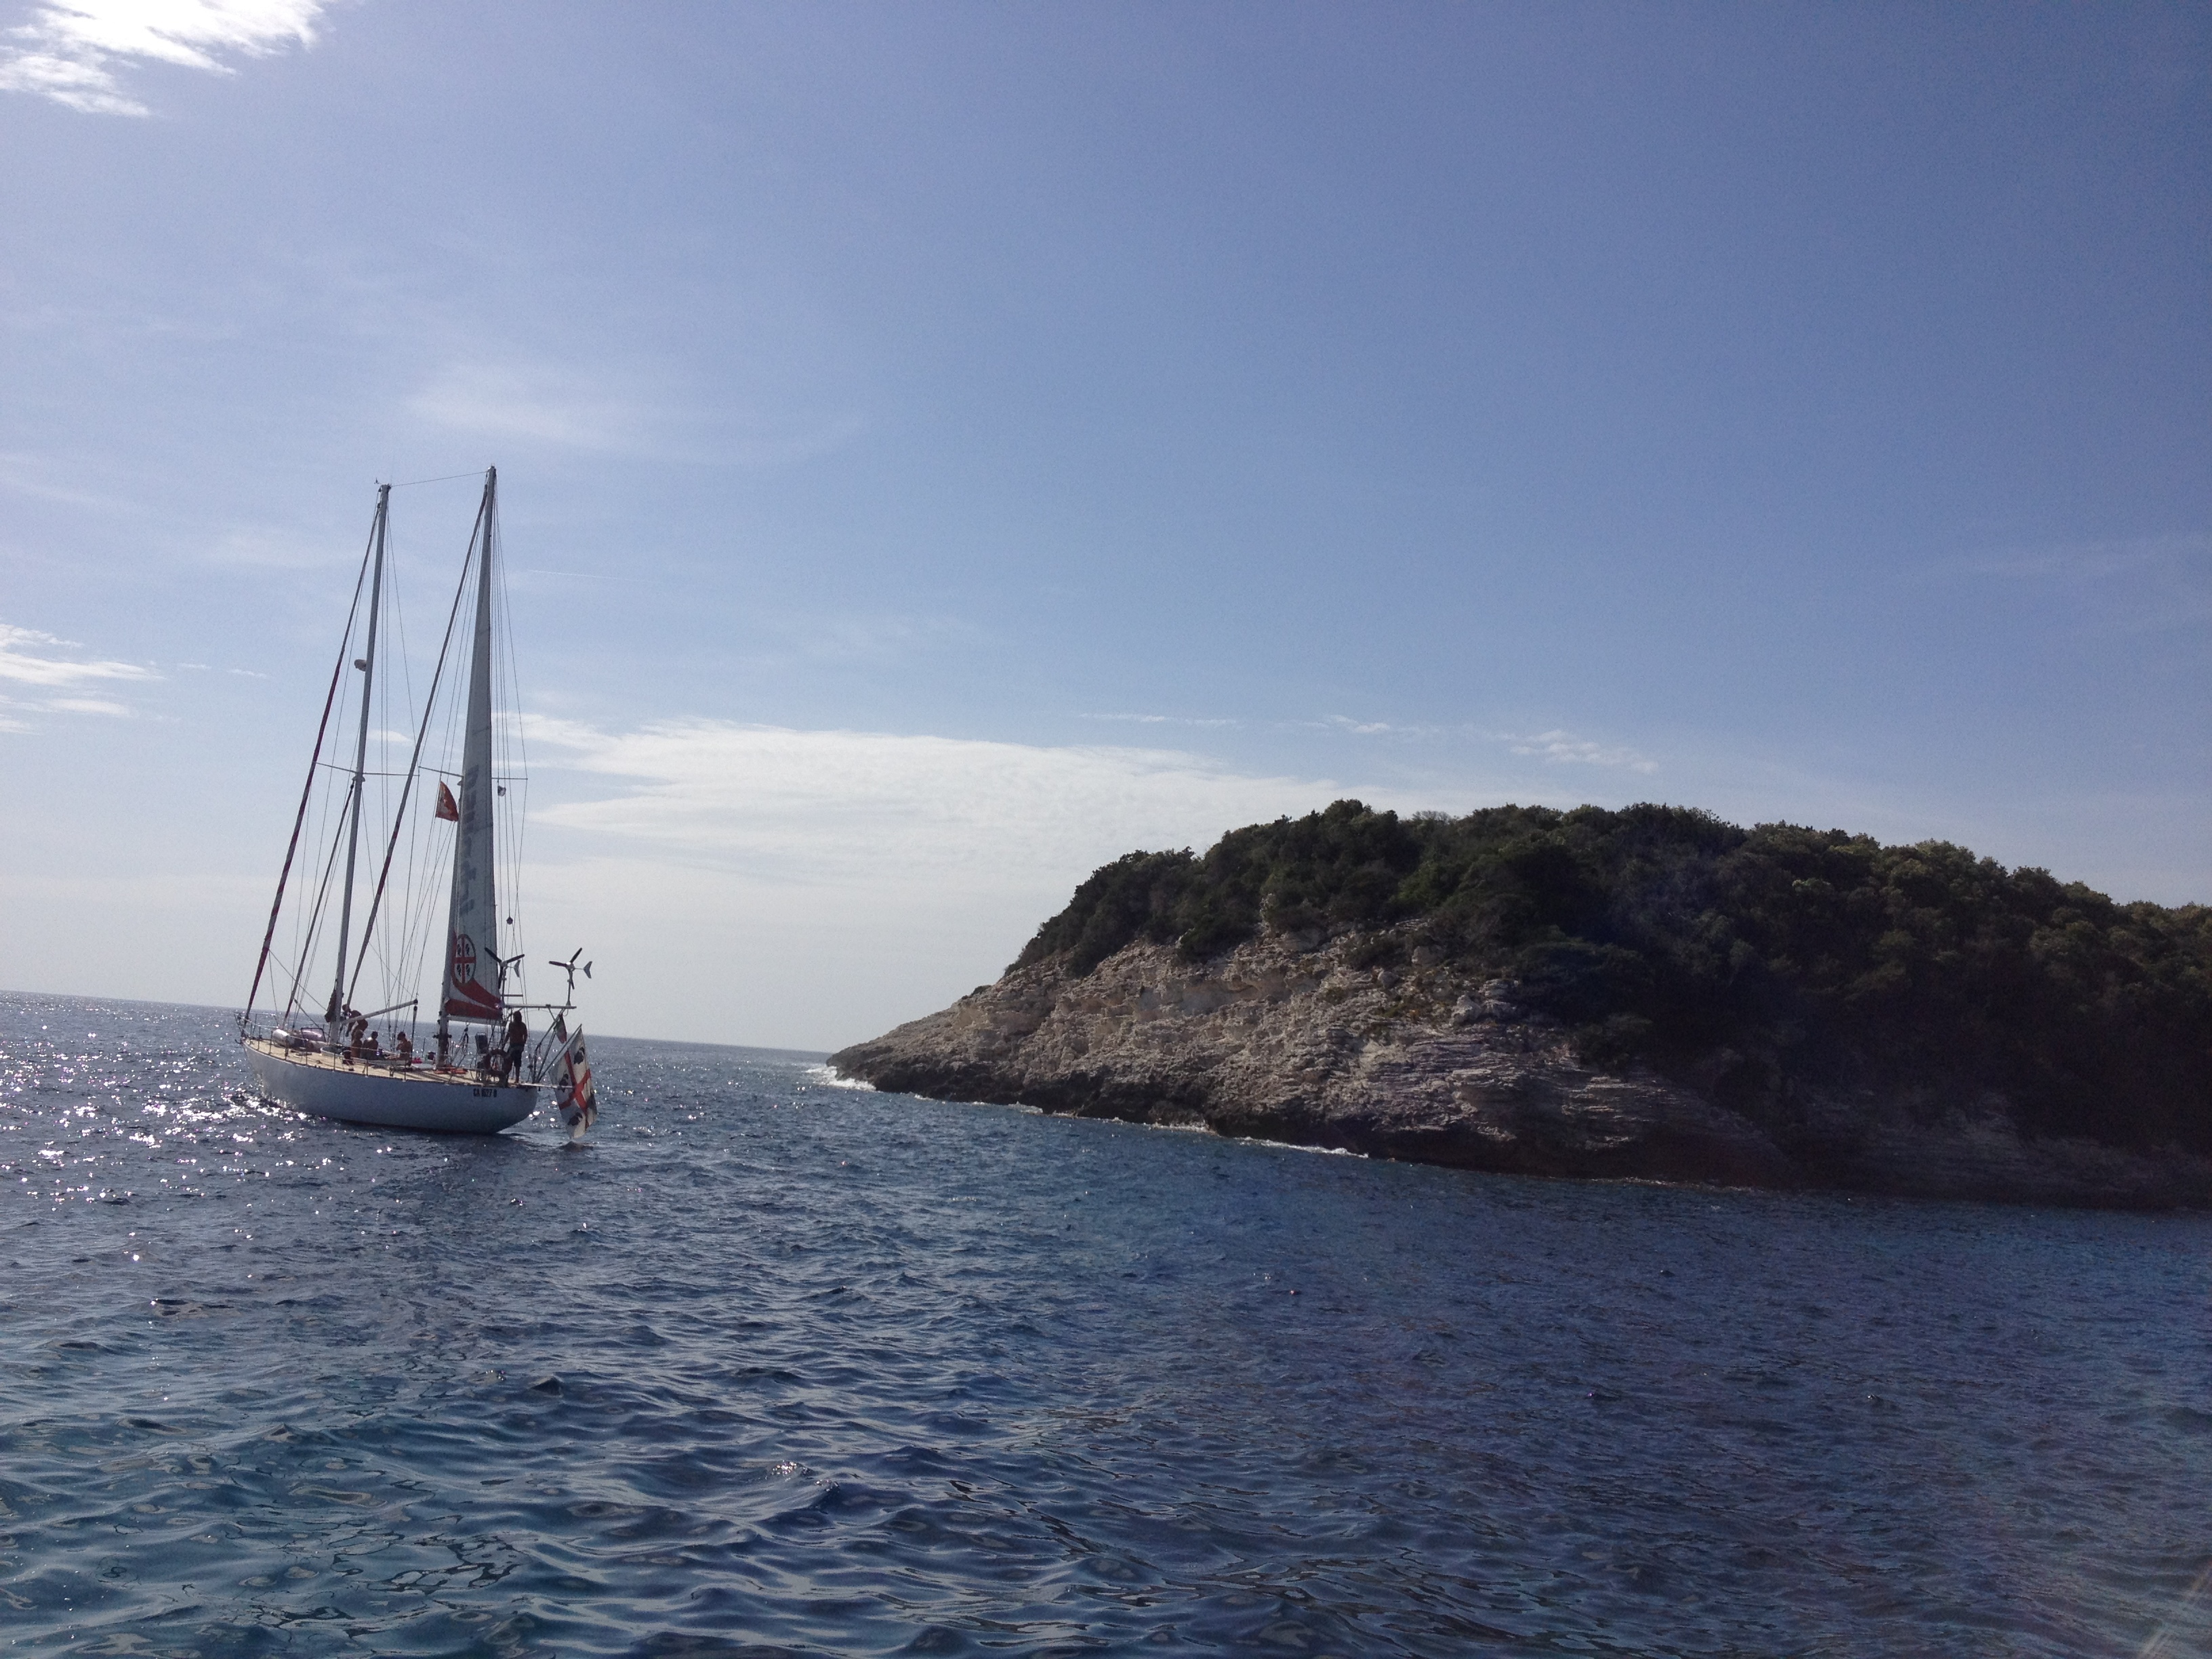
pixel 518 1039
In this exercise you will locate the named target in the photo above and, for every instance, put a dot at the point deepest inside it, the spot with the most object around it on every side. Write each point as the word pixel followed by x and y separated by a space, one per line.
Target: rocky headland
pixel 1534 1014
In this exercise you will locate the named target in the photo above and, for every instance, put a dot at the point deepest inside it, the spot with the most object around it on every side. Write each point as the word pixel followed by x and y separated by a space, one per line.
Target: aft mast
pixel 472 918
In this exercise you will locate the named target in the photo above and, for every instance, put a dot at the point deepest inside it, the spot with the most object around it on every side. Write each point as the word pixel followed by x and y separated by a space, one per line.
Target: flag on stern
pixel 579 1101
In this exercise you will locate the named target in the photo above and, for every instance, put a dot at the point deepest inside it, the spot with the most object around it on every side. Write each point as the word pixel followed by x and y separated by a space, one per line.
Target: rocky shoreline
pixel 1286 1037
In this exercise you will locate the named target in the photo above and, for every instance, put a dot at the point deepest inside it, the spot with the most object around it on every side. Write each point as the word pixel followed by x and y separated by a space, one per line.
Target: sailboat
pixel 333 1064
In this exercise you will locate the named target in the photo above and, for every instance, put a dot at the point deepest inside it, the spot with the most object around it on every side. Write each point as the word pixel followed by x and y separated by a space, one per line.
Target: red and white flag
pixel 449 808
pixel 580 1105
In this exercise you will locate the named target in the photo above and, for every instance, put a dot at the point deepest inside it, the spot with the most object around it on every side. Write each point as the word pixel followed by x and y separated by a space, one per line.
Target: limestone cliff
pixel 1285 1038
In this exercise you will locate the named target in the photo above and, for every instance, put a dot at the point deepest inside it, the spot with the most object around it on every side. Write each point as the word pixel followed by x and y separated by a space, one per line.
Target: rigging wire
pixel 315 919
pixel 515 751
pixel 407 788
pixel 447 478
pixel 345 641
pixel 392 964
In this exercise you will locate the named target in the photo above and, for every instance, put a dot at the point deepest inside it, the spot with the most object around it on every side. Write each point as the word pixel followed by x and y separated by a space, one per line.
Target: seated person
pixel 403 1047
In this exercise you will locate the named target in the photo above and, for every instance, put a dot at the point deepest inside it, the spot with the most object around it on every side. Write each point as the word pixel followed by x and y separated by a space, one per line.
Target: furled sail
pixel 472 930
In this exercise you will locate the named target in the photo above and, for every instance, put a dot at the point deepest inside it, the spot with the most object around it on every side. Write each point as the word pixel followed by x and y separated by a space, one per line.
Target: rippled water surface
pixel 775 1366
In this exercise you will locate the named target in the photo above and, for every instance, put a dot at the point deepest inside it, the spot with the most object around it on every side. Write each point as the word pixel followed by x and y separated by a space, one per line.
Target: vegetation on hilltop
pixel 1663 934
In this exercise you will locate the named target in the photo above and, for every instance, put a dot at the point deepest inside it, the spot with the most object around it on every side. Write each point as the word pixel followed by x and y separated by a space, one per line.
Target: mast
pixel 366 664
pixel 472 917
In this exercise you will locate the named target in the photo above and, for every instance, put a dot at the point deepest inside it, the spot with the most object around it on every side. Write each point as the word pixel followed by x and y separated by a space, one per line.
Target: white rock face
pixel 1286 1037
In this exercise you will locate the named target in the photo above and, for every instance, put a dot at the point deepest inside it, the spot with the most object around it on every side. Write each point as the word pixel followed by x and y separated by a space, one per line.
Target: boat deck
pixel 383 1065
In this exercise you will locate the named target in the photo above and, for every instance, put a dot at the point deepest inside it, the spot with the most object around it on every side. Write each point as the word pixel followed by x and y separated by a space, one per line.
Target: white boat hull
pixel 444 1102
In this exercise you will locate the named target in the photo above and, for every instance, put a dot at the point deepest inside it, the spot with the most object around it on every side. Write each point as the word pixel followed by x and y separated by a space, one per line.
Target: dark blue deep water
pixel 773 1366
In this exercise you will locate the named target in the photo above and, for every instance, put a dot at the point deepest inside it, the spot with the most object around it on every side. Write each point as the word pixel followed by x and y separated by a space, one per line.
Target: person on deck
pixel 518 1039
pixel 403 1046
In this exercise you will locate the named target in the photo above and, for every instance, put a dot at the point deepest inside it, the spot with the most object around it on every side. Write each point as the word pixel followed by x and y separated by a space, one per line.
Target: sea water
pixel 770 1366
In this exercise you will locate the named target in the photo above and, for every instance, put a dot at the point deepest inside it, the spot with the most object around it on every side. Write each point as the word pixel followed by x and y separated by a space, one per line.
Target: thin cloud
pixel 535 404
pixel 876 810
pixel 2145 585
pixel 876 639
pixel 786 642
pixel 28 657
pixel 88 706
pixel 1564 748
pixel 1166 720
pixel 1351 727
pixel 254 548
pixel 22 473
pixel 2089 560
pixel 25 658
pixel 617 411
pixel 74 52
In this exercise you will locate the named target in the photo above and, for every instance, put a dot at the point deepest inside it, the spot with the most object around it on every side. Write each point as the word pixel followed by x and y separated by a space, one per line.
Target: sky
pixel 945 447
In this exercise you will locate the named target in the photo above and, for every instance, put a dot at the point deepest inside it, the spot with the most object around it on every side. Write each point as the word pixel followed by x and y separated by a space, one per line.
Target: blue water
pixel 775 1366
